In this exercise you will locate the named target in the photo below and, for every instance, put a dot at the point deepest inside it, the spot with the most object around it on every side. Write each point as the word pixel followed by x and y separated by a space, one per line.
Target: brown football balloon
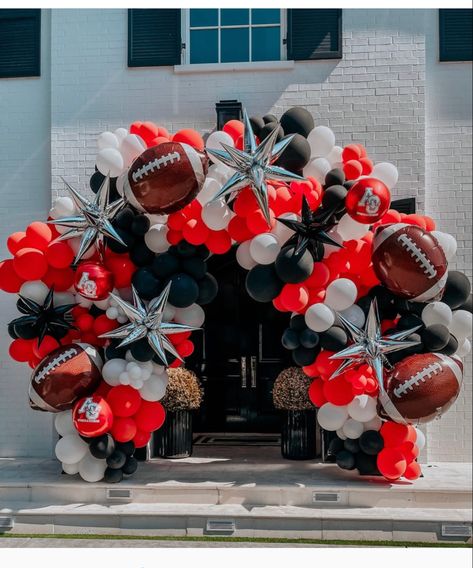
pixel 67 374
pixel 410 262
pixel 424 386
pixel 165 178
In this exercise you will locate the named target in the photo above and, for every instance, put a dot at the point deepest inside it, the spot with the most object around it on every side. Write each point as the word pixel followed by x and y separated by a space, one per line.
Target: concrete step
pixel 158 519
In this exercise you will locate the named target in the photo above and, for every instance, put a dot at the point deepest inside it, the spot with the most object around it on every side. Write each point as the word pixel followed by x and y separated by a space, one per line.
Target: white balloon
pixel 447 242
pixel 363 408
pixel 464 348
pixel 341 294
pixel 243 256
pixel 341 434
pixel 461 324
pixel 155 238
pixel 112 370
pixel 63 298
pixel 112 313
pixel 71 449
pixel 193 315
pixel 329 249
pixel 154 388
pixel 110 161
pixel 91 469
pixel 373 424
pixel 215 140
pixel 355 315
pixel 208 191
pixel 120 133
pixel 63 423
pixel 124 378
pixel 318 169
pixel 387 173
pixel 34 290
pixel 352 429
pixel 107 140
pixel 420 438
pixel 350 229
pixel 63 207
pixel 216 215
pixel 335 156
pixel 74 243
pixel 70 468
pixel 130 148
pixel 321 141
pixel 84 302
pixel 332 417
pixel 282 232
pixel 169 312
pixel 319 317
pixel 437 312
pixel 264 248
pixel 121 182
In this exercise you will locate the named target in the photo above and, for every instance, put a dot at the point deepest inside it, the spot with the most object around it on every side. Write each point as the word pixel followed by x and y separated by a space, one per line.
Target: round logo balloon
pixel 67 374
pixel 368 200
pixel 165 178
pixel 93 281
pixel 92 416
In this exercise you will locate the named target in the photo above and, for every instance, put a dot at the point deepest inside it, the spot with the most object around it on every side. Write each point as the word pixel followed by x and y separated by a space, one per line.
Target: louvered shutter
pixel 407 205
pixel 314 34
pixel 20 43
pixel 154 37
pixel 455 35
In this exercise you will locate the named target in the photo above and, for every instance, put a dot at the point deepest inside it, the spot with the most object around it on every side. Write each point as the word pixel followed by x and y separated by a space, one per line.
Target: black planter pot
pixel 174 438
pixel 298 435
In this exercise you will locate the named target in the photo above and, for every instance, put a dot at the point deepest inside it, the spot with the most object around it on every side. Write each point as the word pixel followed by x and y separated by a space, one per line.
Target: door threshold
pixel 236 439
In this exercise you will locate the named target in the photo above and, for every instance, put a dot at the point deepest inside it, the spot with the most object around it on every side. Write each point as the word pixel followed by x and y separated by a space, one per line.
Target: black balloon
pixel 165 264
pixel 184 290
pixel 257 124
pixel 268 129
pixel 102 446
pixel 297 322
pixel 146 283
pixel 142 350
pixel 296 155
pixel 334 177
pixel 195 266
pixel 334 197
pixel 141 255
pixel 131 465
pixel 352 446
pixel 303 356
pixel 269 118
pixel 262 283
pixel 334 339
pixel 297 120
pixel 114 352
pixel 185 249
pixel 124 219
pixel 409 321
pixel 309 338
pixel 126 447
pixel 293 268
pixel 113 475
pixel 140 225
pixel 13 334
pixel 208 289
pixel 457 289
pixel 336 445
pixel 366 464
pixel 116 460
pixel 435 337
pixel 96 181
pixel 290 339
pixel 371 442
pixel 451 346
pixel 468 305
pixel 345 460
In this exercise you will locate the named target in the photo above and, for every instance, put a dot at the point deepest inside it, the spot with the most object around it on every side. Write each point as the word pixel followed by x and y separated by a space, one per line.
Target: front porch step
pixel 354 523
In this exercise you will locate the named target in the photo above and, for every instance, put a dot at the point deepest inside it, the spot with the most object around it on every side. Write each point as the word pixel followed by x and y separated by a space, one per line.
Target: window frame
pixel 443 57
pixel 15 14
pixel 185 35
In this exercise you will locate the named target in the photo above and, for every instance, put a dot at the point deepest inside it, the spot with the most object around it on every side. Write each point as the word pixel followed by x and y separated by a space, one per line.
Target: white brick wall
pixel 374 95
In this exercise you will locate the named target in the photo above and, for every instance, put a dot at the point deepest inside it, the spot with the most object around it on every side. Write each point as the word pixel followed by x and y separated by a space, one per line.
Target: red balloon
pixel 30 264
pixel 122 268
pixel 394 434
pixel 84 322
pixel 174 237
pixel 123 429
pixel 316 392
pixel 9 279
pixel 238 229
pixel 158 140
pixel 141 438
pixel 279 305
pixel 21 350
pixel 14 241
pixel 410 451
pixel 413 471
pixel 45 347
pixel 150 416
pixel 368 200
pixel 418 220
pixel 429 223
pixel 92 416
pixel 195 232
pixel 103 324
pixel 319 277
pixel 176 221
pixel 338 391
pixel 59 254
pixel 326 366
pixel 391 463
pixel 235 128
pixel 245 203
pixel 39 234
pixel 351 152
pixel 135 127
pixel 352 169
pixel 148 131
pixel 164 132
pixel 391 216
pixel 191 137
pixel 124 400
pixel 218 242
pixel 185 348
pixel 93 281
pixel 294 297
pixel 257 223
pixel 366 165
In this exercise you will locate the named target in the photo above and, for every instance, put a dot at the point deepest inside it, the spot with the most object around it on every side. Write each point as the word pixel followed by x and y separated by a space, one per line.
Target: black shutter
pixel 154 37
pixel 455 35
pixel 407 205
pixel 314 34
pixel 20 43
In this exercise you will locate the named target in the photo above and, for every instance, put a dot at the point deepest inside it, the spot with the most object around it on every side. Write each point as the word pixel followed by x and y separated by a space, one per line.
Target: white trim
pixel 226 67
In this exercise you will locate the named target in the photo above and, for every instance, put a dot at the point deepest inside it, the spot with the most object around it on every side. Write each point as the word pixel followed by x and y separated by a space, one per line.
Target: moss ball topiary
pixel 290 391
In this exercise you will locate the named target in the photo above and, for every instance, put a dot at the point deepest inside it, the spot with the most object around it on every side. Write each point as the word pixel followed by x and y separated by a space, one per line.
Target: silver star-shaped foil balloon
pixel 93 223
pixel 147 322
pixel 253 165
pixel 371 347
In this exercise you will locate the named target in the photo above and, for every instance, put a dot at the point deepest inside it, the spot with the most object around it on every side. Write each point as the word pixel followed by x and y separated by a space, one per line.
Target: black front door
pixel 238 356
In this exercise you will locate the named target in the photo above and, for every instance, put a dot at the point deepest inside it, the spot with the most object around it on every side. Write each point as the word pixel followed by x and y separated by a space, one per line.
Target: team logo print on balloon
pixel 93 281
pixel 368 200
pixel 92 416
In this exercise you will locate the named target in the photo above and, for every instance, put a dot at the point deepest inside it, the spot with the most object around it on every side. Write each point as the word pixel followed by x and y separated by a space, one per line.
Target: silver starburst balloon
pixel 93 222
pixel 253 165
pixel 371 347
pixel 147 322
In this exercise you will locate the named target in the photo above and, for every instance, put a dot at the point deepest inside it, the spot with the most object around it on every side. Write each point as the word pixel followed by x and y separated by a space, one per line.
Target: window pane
pixel 266 44
pixel 203 18
pixel 234 17
pixel 204 46
pixel 265 16
pixel 235 45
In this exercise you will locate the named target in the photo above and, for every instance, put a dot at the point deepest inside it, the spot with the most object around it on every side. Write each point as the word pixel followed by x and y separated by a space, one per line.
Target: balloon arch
pixel 110 289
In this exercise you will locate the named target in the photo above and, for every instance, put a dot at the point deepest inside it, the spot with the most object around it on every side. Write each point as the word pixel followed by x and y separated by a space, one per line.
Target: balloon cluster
pixel 123 277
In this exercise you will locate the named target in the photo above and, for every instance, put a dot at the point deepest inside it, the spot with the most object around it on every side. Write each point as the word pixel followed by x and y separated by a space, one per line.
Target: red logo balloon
pixel 93 281
pixel 92 416
pixel 368 200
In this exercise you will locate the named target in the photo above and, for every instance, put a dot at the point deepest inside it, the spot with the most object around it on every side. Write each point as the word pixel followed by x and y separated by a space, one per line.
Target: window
pixel 455 35
pixel 233 35
pixel 20 43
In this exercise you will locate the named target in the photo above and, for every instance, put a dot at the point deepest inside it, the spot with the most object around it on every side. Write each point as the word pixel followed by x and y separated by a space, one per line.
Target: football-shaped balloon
pixel 93 281
pixel 92 416
pixel 409 262
pixel 422 387
pixel 165 178
pixel 67 374
pixel 368 200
